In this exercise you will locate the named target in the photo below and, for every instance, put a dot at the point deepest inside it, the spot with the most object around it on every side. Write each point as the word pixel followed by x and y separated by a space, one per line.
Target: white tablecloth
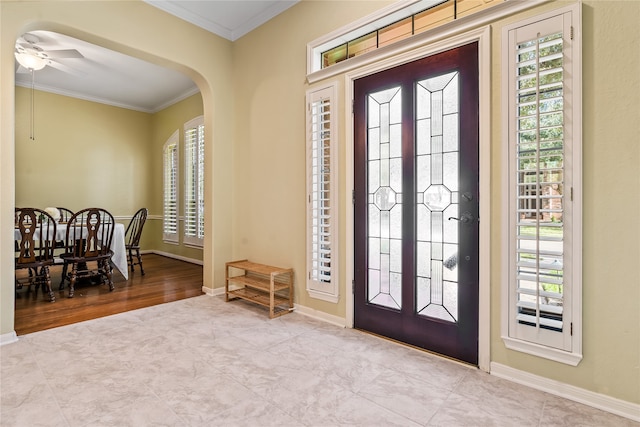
pixel 119 257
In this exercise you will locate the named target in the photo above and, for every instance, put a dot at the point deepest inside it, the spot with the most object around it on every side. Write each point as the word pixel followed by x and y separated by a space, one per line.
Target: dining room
pixel 119 169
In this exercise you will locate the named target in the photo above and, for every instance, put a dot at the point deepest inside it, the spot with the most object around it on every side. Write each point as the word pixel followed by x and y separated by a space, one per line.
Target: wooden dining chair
pixel 132 238
pixel 35 248
pixel 65 214
pixel 88 240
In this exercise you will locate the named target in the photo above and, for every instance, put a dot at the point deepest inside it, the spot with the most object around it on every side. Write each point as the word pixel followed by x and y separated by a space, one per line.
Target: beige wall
pixel 269 202
pixel 258 160
pixel 269 173
pixel 85 155
pixel 73 136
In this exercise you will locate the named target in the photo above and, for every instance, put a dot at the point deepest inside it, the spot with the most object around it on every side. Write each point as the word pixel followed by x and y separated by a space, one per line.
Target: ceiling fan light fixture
pixel 31 62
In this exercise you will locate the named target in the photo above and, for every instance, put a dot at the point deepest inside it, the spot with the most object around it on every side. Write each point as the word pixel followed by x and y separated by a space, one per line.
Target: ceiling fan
pixel 33 57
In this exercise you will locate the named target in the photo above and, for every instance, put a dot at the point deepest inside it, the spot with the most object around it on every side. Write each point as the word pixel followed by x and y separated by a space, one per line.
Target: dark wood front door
pixel 416 203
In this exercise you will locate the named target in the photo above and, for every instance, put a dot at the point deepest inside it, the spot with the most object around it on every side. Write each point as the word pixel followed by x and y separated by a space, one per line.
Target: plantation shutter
pixel 200 228
pixel 170 194
pixel 322 197
pixel 541 183
pixel 194 182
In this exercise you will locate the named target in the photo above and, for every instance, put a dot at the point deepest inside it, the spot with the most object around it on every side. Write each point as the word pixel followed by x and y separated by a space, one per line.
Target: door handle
pixel 465 218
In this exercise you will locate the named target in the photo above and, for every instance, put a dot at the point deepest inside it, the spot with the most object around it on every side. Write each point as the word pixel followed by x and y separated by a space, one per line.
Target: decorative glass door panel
pixel 437 150
pixel 416 203
pixel 385 198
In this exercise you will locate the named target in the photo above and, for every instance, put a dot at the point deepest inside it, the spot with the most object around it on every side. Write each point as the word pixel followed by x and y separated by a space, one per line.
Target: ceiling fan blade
pixel 65 68
pixel 63 53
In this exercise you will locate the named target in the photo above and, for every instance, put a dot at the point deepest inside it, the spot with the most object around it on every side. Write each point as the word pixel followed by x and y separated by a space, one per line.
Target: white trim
pixel 130 217
pixel 232 34
pixel 193 245
pixel 484 159
pixel 8 338
pixel 85 97
pixel 483 37
pixel 596 400
pixel 438 34
pixel 213 292
pixel 319 315
pixel 193 123
pixel 174 256
pixel 551 353
pixel 324 296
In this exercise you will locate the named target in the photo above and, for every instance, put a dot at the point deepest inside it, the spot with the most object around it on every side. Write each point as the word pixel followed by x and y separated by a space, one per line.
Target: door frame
pixel 430 47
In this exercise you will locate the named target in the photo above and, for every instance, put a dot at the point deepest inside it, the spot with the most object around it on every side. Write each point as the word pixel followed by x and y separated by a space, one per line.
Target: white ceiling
pixel 230 19
pixel 113 78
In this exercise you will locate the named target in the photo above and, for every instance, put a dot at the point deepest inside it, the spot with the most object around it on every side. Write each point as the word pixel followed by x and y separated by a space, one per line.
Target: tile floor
pixel 204 362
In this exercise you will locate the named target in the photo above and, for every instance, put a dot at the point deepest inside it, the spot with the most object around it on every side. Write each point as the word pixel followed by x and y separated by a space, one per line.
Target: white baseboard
pixel 580 395
pixel 306 311
pixel 174 256
pixel 213 292
pixel 320 315
pixel 9 338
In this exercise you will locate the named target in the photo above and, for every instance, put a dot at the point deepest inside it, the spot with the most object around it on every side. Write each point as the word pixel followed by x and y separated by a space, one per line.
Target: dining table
pixel 119 258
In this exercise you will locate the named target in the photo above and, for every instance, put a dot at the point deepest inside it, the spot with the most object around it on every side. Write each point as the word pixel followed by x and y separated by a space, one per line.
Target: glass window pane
pixel 335 55
pixel 395 32
pixel 362 44
pixel 433 17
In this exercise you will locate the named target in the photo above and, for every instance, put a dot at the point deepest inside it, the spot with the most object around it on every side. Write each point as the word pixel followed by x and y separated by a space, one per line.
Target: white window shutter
pixel 194 182
pixel 170 189
pixel 542 144
pixel 322 195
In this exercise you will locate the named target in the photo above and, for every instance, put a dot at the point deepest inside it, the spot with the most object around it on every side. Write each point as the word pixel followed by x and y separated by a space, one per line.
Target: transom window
pixel 415 19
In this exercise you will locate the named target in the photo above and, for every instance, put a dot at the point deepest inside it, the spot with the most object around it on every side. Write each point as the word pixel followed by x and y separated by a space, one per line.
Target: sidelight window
pixel 543 148
pixel 322 194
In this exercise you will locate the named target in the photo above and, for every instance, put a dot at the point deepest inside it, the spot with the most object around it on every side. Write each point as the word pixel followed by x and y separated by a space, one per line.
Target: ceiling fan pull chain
pixel 32 135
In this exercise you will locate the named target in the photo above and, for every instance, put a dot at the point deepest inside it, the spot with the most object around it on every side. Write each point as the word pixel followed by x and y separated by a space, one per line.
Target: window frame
pixel 196 240
pixel 388 15
pixel 174 142
pixel 567 347
pixel 321 289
